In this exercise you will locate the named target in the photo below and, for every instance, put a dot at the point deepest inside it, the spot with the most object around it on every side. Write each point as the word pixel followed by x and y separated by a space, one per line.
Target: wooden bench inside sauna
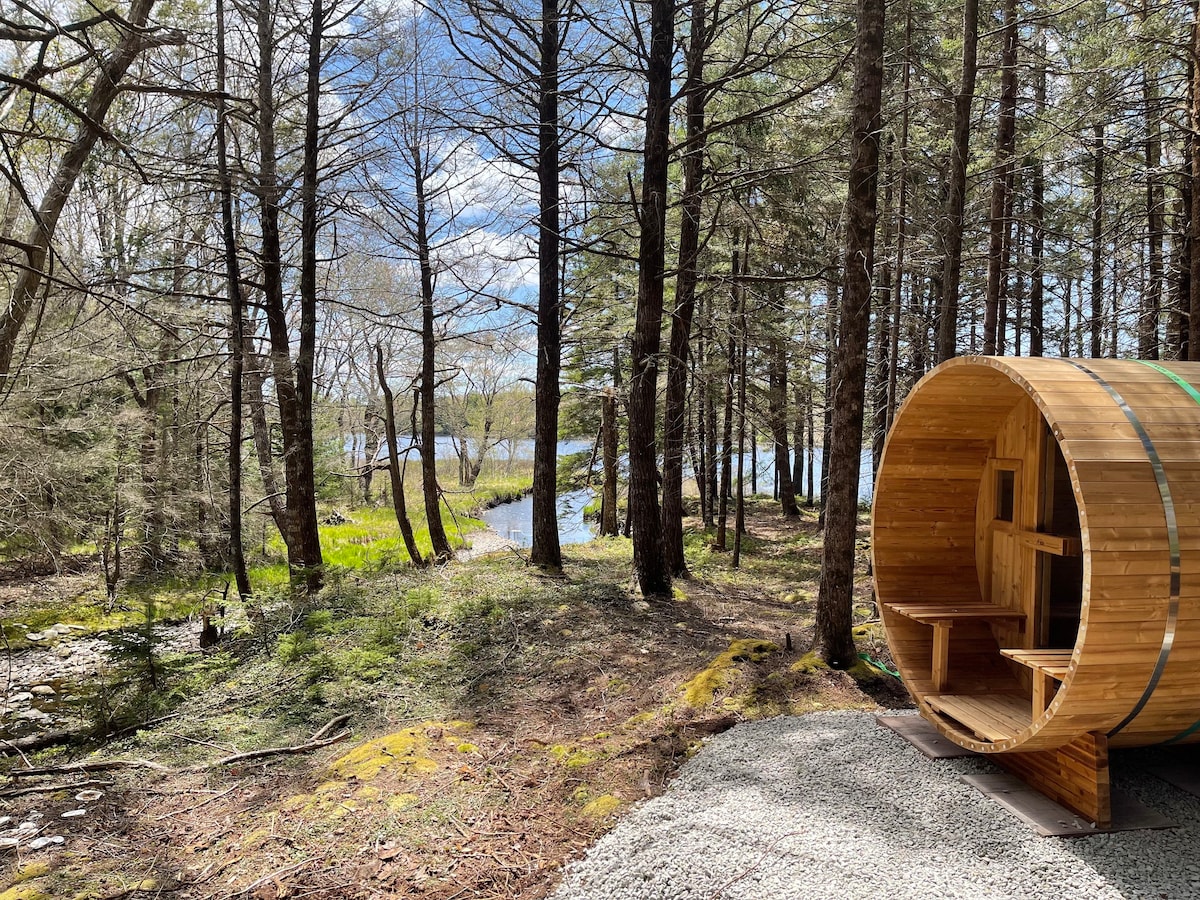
pixel 1036 551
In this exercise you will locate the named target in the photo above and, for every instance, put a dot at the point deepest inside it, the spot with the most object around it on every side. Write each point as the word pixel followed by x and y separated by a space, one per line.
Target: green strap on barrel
pixel 1191 391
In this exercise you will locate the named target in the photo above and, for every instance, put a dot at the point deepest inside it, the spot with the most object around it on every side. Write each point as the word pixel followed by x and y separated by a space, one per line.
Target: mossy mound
pixel 23 893
pixel 602 806
pixel 403 753
pixel 809 664
pixel 700 690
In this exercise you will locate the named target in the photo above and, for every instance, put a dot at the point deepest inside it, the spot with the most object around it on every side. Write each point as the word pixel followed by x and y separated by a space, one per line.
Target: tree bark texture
pixel 546 551
pixel 431 493
pixel 303 566
pixel 1148 330
pixel 1002 182
pixel 956 194
pixel 608 442
pixel 1193 348
pixel 778 409
pixel 399 501
pixel 834 638
pixel 1097 317
pixel 654 577
pixel 695 93
pixel 1037 214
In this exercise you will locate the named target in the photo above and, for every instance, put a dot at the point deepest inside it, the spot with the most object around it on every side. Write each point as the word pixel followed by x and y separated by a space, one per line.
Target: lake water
pixel 515 520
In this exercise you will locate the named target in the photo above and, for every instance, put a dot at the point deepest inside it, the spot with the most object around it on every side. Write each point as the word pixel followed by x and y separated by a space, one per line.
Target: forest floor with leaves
pixel 498 722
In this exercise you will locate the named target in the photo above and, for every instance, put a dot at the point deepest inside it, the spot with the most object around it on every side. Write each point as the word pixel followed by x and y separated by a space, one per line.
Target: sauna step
pixel 992 717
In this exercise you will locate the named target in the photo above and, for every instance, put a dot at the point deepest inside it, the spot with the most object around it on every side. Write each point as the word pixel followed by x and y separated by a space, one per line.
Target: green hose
pixel 876 664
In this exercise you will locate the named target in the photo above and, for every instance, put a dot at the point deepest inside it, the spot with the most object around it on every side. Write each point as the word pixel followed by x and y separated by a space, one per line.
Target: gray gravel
pixel 831 805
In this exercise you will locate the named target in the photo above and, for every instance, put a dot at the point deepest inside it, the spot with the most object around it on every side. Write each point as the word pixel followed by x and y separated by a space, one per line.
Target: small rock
pixel 27 827
pixel 74 813
pixel 35 636
pixel 8 843
pixel 43 690
pixel 62 651
pixel 39 843
pixel 22 697
pixel 60 628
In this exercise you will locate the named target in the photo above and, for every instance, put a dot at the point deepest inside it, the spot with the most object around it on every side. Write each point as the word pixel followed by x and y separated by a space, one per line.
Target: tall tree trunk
pixel 300 456
pixel 956 193
pixel 901 230
pixel 1097 318
pixel 696 94
pixel 731 357
pixel 608 441
pixel 1037 210
pixel 399 501
pixel 797 438
pixel 834 639
pixel 831 352
pixel 700 394
pixel 1177 329
pixel 878 390
pixel 371 445
pixel 546 551
pixel 777 407
pixel 710 416
pixel 1006 140
pixel 1148 342
pixel 304 569
pixel 430 491
pixel 254 379
pixel 1193 349
pixel 809 499
pixel 654 576
pixel 739 518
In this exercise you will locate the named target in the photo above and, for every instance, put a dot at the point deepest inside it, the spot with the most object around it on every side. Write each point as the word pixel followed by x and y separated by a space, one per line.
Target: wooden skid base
pixel 1050 819
pixel 924 736
pixel 1075 775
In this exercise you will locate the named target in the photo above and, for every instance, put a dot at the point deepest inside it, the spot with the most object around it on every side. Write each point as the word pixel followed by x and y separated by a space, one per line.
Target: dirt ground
pixel 510 723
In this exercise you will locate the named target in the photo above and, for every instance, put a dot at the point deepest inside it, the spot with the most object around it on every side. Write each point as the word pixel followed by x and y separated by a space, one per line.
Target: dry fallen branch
pixel 330 727
pixel 314 744
pixel 50 788
pixel 273 751
pixel 106 766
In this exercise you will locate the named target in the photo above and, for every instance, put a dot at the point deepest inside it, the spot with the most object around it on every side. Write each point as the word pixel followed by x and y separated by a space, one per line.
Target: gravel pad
pixel 831 805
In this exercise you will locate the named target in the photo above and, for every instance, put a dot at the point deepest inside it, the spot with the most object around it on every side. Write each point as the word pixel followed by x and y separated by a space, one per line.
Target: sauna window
pixel 1006 483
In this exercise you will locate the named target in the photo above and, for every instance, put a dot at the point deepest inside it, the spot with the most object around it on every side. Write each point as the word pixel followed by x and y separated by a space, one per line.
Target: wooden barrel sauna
pixel 1036 546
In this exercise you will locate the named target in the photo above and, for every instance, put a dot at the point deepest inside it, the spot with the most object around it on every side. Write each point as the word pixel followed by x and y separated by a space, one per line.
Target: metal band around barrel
pixel 1164 491
pixel 1195 395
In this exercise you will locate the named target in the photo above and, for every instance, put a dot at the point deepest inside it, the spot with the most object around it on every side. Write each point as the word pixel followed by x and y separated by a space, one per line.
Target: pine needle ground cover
pixel 497 722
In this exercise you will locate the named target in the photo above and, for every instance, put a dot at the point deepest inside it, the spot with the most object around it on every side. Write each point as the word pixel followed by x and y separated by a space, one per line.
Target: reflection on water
pixel 515 520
